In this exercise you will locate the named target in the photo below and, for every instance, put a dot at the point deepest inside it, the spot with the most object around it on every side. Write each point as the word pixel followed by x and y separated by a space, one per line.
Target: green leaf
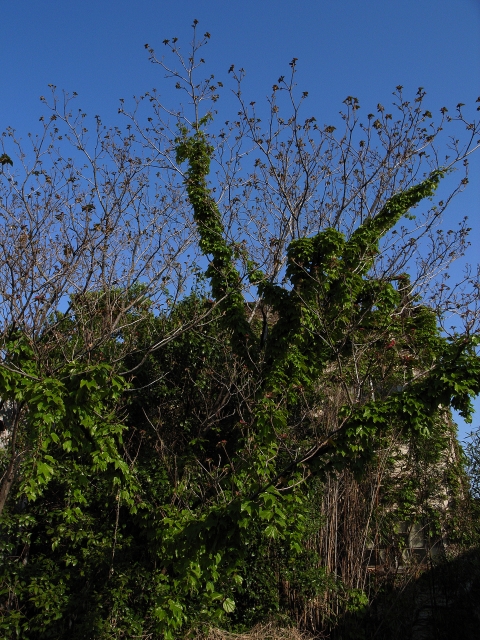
pixel 229 605
pixel 271 531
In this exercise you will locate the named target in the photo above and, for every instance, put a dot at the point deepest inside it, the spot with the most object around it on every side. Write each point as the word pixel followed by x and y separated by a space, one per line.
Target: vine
pixel 328 284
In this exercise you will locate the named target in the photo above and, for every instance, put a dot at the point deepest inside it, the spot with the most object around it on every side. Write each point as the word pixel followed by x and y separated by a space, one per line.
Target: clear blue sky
pixel 344 47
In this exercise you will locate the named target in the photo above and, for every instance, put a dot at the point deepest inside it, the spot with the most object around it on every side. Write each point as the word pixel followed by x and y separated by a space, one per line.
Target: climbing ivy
pixel 328 284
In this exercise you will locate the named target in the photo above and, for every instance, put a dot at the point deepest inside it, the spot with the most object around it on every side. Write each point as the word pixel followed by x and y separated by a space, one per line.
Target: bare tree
pixel 89 228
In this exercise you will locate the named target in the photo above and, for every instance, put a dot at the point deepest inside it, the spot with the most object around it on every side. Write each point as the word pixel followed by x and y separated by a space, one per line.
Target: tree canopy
pixel 191 356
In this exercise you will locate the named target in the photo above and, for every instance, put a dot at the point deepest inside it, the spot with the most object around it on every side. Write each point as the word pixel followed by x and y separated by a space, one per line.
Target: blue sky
pixel 344 47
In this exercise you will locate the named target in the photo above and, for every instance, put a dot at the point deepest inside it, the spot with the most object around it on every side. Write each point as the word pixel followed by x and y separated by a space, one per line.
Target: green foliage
pixel 330 274
pixel 69 437
pixel 67 417
pixel 224 278
pixel 181 494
